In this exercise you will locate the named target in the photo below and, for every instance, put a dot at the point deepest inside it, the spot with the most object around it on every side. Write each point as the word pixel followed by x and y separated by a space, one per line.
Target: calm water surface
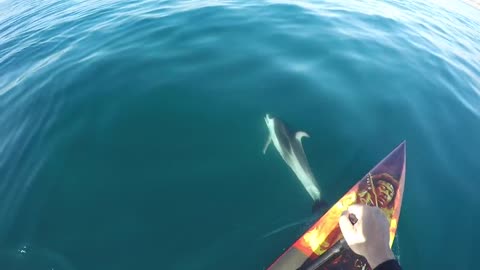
pixel 131 132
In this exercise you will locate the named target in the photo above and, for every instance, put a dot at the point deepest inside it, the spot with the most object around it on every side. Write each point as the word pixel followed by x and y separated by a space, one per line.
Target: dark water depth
pixel 131 132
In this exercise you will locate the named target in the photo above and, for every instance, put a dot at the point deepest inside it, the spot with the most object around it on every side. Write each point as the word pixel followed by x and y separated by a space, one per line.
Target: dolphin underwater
pixel 289 145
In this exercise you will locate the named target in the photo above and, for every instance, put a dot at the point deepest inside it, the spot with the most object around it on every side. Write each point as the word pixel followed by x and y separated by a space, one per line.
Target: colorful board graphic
pixel 381 187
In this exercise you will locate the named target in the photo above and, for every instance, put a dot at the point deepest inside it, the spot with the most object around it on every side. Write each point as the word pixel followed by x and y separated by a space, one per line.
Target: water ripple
pixel 82 79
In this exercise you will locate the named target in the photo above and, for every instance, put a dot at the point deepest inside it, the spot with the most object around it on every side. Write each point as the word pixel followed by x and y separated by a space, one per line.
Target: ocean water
pixel 131 132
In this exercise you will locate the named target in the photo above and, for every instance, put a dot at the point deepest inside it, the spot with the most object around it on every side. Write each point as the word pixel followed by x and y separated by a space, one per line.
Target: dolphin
pixel 289 145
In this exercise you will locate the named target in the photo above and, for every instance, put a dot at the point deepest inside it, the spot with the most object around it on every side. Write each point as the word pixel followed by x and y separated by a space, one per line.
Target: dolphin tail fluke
pixel 319 205
pixel 269 140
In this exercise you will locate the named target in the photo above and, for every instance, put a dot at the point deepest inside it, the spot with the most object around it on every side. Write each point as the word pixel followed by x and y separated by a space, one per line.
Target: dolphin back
pixel 291 149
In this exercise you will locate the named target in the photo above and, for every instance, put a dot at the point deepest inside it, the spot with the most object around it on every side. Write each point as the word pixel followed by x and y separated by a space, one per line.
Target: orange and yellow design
pixel 326 231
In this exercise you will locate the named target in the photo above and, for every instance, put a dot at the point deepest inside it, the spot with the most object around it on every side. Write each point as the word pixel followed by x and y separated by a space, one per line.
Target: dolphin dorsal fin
pixel 300 134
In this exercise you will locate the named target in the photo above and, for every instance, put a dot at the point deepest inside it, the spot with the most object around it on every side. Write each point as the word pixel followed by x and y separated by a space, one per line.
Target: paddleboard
pixel 323 247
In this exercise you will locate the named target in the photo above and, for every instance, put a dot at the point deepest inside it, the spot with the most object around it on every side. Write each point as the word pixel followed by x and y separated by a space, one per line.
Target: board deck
pixel 322 246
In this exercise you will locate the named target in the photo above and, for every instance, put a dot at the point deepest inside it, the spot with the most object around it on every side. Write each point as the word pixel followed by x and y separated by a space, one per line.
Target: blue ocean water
pixel 132 131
